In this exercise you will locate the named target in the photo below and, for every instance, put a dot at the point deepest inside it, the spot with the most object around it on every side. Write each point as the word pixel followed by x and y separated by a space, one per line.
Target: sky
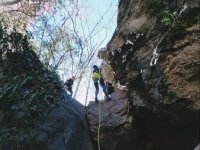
pixel 95 19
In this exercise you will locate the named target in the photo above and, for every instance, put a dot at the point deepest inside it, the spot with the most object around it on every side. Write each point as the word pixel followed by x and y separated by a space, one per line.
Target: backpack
pixel 110 88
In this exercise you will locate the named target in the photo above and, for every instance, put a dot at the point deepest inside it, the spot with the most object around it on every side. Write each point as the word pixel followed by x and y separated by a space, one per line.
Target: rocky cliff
pixel 35 111
pixel 153 60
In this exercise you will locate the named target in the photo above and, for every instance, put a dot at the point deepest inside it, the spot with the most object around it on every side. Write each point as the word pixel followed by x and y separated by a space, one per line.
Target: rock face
pixel 65 128
pixel 112 119
pixel 158 62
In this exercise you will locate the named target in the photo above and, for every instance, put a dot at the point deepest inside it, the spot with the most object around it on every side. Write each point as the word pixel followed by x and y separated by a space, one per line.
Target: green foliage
pixel 168 18
pixel 28 91
pixel 168 14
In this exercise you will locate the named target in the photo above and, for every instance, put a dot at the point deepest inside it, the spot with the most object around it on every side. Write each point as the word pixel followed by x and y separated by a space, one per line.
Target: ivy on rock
pixel 28 90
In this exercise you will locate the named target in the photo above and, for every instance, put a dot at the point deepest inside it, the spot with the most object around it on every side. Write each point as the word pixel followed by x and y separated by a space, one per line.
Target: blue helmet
pixel 95 67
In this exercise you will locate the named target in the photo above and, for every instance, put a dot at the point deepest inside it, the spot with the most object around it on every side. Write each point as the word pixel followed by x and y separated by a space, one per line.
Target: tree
pixel 68 44
pixel 64 40
pixel 20 13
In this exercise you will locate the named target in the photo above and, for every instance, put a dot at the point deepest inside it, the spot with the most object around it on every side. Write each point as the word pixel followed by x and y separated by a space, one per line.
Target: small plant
pixel 168 18
pixel 168 14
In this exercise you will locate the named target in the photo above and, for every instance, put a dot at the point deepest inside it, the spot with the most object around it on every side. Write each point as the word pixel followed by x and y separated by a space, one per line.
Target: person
pixel 110 88
pixel 97 78
pixel 69 84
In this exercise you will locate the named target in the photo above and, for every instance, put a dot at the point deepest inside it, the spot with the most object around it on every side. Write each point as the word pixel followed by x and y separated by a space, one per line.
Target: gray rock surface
pixel 114 118
pixel 65 128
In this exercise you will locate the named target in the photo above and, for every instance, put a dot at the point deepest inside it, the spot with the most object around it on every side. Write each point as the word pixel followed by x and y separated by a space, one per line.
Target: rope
pixel 99 126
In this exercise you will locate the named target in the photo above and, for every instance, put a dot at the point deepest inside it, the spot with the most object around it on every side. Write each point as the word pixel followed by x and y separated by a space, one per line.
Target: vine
pixel 28 91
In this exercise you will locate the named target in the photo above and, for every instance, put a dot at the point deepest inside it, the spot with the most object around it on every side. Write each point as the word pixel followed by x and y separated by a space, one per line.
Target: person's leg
pixel 97 90
pixel 105 91
pixel 101 81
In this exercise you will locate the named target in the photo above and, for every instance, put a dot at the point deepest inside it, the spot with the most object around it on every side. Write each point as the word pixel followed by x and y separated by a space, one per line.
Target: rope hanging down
pixel 99 126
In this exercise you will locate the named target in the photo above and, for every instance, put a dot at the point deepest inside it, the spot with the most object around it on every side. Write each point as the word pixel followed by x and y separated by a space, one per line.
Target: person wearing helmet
pixel 97 78
pixel 69 84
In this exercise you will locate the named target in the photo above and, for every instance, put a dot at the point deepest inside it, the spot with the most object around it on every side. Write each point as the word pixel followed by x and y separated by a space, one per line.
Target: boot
pixel 96 100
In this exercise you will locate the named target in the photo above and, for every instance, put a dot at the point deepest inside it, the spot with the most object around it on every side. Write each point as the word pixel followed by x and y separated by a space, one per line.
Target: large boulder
pixel 156 57
pixel 110 122
pixel 65 127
